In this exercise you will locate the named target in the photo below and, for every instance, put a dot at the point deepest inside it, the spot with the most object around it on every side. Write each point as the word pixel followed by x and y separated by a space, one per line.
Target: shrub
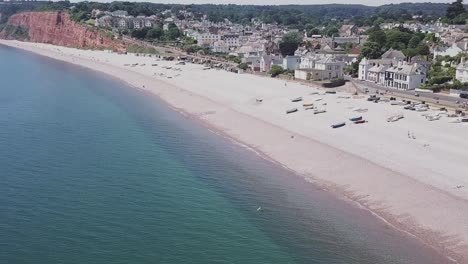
pixel 276 70
pixel 243 66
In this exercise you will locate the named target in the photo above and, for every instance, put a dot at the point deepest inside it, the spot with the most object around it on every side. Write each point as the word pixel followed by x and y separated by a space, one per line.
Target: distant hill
pixel 289 15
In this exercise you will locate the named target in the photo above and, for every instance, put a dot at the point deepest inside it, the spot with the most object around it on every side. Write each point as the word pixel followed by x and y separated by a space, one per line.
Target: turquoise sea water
pixel 92 171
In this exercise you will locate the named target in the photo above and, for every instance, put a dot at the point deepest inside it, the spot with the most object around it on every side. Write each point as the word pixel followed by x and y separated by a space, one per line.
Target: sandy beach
pixel 411 173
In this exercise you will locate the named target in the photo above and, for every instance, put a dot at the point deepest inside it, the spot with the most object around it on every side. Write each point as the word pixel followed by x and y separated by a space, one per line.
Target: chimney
pixel 400 63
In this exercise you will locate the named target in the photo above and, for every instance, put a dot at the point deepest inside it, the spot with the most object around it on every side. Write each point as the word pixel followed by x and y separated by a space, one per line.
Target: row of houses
pixel 307 67
pixel 392 71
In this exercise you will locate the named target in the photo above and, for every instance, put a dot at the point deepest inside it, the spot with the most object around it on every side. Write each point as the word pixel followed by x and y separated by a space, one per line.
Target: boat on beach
pixel 298 99
pixel 319 111
pixel 307 104
pixel 337 125
pixel 362 121
pixel 290 111
pixel 395 118
pixel 360 110
pixel 356 118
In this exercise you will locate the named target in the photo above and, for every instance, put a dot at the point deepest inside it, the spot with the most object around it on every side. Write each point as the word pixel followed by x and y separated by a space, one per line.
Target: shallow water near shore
pixel 93 171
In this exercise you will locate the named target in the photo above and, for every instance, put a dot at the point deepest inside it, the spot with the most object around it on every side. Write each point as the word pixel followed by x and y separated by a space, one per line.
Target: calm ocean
pixel 92 171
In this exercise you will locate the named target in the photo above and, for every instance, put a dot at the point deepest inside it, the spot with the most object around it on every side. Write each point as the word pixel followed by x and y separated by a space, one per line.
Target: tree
pixel 331 31
pixel 397 39
pixel 378 36
pixel 139 33
pixel 454 9
pixel 276 70
pixel 290 43
pixel 154 33
pixel 423 49
pixel 172 32
pixel 313 31
pixel 414 42
pixel 371 50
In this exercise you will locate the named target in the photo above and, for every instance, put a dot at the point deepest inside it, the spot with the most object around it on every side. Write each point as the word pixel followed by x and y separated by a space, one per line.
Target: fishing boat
pixel 319 111
pixel 337 125
pixel 330 92
pixel 309 108
pixel 307 104
pixel 356 118
pixel 362 121
pixel 259 100
pixel 290 111
pixel 154 64
pixel 298 99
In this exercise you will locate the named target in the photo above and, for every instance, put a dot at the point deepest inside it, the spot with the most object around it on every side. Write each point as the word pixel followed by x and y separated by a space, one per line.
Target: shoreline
pixel 279 148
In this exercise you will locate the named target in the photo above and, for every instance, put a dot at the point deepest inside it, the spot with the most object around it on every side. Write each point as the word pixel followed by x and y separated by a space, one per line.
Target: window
pixel 422 80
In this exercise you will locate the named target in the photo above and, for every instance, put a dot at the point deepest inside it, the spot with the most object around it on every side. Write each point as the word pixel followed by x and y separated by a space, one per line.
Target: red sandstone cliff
pixel 57 28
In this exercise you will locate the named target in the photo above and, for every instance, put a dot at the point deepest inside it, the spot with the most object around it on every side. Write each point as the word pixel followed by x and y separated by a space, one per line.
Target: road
pixel 433 98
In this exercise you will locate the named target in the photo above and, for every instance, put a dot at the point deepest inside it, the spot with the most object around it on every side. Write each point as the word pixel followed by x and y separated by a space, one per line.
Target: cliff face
pixel 57 28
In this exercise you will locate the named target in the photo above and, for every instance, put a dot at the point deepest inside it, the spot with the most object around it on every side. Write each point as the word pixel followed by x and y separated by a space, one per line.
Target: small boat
pixel 360 110
pixel 154 64
pixel 319 111
pixel 362 121
pixel 395 118
pixel 259 100
pixel 464 120
pixel 259 209
pixel 330 92
pixel 298 99
pixel 290 111
pixel 309 108
pixel 337 125
pixel 356 118
pixel 432 118
pixel 307 104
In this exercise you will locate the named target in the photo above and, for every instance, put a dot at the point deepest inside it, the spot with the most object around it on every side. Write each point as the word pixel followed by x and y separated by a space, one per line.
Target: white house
pixel 123 23
pixel 253 62
pixel 207 39
pixel 452 50
pixel 405 76
pixel 220 46
pixel 325 68
pixel 231 40
pixel 462 71
pixel 392 74
pixel 266 61
pixel 291 62
pixel 389 58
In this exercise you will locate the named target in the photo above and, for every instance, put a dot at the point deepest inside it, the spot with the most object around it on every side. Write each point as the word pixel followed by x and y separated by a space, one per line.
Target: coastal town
pixel 371 108
pixel 317 57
